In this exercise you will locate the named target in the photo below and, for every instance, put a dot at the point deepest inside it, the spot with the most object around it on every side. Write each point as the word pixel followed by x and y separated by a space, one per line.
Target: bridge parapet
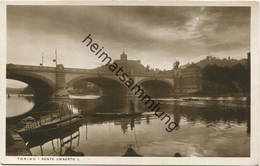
pixel 29 67
pixel 76 70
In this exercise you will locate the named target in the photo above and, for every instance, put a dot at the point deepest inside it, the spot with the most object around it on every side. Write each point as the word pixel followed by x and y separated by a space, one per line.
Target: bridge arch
pixel 43 87
pixel 160 87
pixel 109 85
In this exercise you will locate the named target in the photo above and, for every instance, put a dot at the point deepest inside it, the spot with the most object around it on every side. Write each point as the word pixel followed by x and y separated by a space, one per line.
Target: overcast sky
pixel 157 36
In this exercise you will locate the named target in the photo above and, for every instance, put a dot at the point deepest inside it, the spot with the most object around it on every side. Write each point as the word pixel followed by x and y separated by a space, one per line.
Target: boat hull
pixel 49 130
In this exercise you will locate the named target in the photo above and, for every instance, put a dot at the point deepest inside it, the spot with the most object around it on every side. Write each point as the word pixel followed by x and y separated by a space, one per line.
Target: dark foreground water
pixel 208 127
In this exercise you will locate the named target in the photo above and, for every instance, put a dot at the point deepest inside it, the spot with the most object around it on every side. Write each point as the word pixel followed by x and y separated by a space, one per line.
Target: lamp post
pixel 41 64
pixel 56 58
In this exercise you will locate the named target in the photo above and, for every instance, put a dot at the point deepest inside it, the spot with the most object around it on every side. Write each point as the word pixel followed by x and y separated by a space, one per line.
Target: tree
pixel 176 65
pixel 217 79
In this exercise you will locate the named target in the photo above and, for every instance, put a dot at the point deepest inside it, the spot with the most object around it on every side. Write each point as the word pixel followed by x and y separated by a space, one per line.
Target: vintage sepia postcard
pixel 130 82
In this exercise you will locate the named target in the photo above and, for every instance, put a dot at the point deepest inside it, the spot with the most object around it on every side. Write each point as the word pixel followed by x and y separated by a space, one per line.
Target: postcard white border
pixel 255 90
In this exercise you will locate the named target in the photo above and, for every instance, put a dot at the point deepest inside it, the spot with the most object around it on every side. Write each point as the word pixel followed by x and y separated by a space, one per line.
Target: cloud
pixel 147 33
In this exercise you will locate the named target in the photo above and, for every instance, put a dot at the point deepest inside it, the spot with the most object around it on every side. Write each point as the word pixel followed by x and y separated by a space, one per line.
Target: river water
pixel 208 127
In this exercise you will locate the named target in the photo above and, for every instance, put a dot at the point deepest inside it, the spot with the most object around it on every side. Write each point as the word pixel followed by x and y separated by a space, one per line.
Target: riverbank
pixel 15 145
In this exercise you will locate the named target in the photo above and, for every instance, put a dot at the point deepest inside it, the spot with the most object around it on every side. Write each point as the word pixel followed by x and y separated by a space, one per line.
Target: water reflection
pixel 62 142
pixel 25 103
pixel 205 128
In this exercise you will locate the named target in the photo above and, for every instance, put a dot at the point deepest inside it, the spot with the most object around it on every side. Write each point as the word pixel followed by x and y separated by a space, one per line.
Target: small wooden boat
pixel 39 129
pixel 71 152
pixel 130 152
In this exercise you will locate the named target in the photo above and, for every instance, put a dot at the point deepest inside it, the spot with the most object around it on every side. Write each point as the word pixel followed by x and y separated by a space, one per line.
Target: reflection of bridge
pixel 47 81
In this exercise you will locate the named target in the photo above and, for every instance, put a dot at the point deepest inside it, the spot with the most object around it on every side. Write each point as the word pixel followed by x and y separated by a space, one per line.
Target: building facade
pixel 188 80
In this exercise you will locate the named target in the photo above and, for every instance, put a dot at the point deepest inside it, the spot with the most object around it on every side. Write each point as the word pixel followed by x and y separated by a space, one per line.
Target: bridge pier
pixel 61 90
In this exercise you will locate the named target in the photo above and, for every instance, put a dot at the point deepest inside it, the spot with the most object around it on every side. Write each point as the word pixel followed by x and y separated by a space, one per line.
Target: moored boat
pixel 39 129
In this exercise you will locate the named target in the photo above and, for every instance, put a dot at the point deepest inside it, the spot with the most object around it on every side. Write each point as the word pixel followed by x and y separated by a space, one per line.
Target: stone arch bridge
pixel 53 81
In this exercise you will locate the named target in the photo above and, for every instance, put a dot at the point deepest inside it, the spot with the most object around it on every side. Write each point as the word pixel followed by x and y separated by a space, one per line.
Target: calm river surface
pixel 207 128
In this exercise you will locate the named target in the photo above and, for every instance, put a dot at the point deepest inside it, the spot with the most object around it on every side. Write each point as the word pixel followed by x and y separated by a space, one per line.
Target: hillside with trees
pixel 210 60
pixel 224 76
pixel 225 80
